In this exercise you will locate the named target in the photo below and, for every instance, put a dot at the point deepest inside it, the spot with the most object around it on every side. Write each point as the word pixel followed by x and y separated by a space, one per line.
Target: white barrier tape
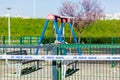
pixel 61 57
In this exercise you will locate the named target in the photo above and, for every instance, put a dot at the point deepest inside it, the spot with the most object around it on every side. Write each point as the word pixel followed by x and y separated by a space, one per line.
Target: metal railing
pixel 33 40
pixel 90 69
pixel 21 69
pixel 61 62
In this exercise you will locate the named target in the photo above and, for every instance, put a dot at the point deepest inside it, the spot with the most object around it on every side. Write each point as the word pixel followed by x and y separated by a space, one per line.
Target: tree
pixel 85 12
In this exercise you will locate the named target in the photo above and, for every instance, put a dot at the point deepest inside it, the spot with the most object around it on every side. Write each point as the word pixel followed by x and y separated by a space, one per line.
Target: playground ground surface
pixel 85 71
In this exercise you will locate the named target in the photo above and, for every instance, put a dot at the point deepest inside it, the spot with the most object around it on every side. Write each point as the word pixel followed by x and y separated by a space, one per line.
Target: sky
pixel 25 8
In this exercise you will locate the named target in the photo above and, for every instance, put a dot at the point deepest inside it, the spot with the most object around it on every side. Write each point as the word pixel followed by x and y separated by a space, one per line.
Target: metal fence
pixel 63 62
pixel 90 69
pixel 33 40
pixel 30 69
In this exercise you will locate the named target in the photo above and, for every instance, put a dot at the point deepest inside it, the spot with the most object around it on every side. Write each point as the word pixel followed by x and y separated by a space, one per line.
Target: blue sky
pixel 45 7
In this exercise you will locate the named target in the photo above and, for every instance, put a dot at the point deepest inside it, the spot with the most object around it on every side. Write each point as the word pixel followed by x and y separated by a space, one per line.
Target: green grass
pixel 103 28
pixel 33 27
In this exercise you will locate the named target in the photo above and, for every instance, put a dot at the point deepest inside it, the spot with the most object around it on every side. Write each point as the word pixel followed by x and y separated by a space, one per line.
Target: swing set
pixel 58 30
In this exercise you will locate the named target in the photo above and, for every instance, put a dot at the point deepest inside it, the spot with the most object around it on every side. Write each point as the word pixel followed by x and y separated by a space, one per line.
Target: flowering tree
pixel 85 12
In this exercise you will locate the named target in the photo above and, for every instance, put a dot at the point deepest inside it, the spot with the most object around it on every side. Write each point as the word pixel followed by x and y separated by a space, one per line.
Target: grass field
pixel 33 27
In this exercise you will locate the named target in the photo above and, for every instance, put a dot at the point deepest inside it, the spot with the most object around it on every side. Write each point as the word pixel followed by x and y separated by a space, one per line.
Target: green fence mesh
pixel 11 69
pixel 90 70
pixel 33 40
pixel 60 69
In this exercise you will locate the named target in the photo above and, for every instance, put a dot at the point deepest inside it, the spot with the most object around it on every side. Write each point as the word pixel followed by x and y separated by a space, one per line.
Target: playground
pixel 41 69
pixel 85 70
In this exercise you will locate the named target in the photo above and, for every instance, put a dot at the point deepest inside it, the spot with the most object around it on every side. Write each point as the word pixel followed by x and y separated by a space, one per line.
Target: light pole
pixel 9 25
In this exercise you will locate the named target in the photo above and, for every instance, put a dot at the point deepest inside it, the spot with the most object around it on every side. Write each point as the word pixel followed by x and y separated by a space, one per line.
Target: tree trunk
pixel 79 38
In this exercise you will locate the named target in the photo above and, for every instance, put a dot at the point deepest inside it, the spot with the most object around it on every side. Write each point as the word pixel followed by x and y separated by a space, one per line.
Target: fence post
pixel 30 44
pixel 30 40
pixel 90 40
pixel 21 43
pixel 54 70
pixel 3 40
pixel 54 64
pixel 21 40
pixel 3 43
pixel 90 44
pixel 59 76
pixel 112 41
